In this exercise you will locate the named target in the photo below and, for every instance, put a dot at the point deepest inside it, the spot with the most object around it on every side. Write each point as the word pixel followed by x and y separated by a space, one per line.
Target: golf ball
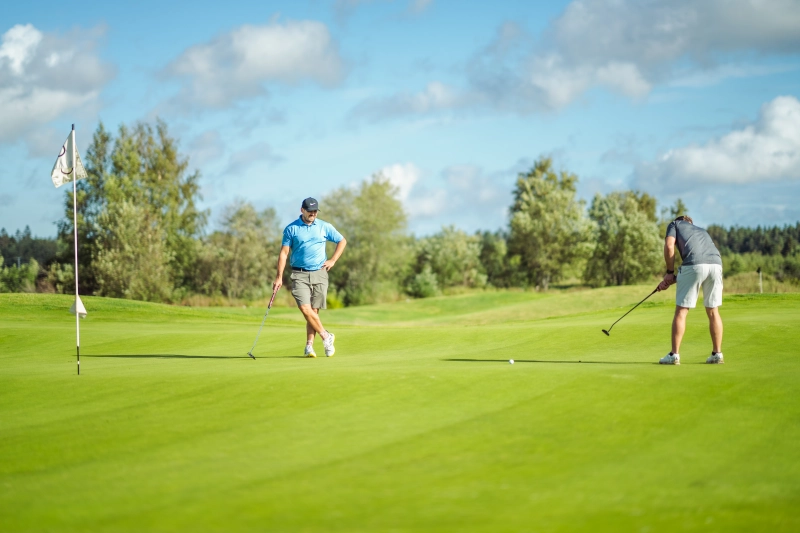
pixel 511 361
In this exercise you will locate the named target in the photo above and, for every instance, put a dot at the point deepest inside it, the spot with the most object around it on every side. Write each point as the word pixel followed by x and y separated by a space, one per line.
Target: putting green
pixel 418 423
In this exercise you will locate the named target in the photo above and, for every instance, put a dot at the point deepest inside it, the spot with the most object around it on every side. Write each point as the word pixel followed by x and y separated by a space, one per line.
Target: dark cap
pixel 310 204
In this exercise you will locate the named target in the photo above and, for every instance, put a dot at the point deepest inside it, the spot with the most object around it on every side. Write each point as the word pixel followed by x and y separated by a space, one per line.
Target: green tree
pixel 502 269
pixel 237 260
pixel 423 284
pixel 549 231
pixel 142 176
pixel 372 219
pixel 24 246
pixel 628 248
pixel 453 257
pixel 19 278
pixel 132 259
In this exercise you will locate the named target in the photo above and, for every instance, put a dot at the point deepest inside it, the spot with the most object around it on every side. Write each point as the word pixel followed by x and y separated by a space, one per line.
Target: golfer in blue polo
pixel 306 238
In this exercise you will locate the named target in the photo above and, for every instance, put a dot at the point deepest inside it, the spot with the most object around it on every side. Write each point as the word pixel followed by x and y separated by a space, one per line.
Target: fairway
pixel 418 423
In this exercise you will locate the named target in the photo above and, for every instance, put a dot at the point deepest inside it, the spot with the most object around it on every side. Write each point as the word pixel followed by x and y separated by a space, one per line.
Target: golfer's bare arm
pixel 281 266
pixel 669 259
pixel 669 252
pixel 337 253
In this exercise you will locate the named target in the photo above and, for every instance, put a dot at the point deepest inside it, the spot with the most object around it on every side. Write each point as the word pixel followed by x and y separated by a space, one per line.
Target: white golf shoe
pixel 309 351
pixel 328 344
pixel 670 359
pixel 715 359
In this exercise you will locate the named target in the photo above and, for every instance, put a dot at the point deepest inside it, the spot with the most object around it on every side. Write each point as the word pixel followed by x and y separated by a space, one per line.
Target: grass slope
pixel 417 424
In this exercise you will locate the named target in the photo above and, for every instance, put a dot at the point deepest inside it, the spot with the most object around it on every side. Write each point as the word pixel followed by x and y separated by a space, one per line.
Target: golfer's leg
pixel 312 320
pixel 678 327
pixel 715 328
pixel 310 333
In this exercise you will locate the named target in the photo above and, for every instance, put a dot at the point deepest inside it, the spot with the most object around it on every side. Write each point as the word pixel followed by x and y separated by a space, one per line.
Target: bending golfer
pixel 306 238
pixel 702 266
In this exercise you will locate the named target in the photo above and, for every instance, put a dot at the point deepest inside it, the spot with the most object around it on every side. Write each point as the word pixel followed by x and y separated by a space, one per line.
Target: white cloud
pixel 402 176
pixel 629 46
pixel 766 150
pixel 43 76
pixel 241 161
pixel 19 45
pixel 626 46
pixel 465 195
pixel 463 191
pixel 715 75
pixel 435 97
pixel 236 65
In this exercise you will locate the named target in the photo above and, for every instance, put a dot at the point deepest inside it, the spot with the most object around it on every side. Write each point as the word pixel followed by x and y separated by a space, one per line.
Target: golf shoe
pixel 670 359
pixel 328 344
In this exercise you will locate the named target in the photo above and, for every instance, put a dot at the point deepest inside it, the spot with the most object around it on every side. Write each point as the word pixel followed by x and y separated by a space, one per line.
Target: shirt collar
pixel 303 222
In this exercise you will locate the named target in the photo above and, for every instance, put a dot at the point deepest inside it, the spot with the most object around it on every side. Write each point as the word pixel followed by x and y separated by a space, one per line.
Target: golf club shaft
pixel 634 307
pixel 269 306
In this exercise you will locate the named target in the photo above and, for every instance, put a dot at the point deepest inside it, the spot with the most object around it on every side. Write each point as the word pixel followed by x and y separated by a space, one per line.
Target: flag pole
pixel 75 228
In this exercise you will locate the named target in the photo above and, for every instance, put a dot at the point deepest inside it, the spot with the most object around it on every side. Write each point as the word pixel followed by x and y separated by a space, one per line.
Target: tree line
pixel 142 236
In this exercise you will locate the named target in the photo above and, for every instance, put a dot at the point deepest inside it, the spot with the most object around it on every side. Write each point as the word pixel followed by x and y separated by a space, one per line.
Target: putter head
pixel 607 333
pixel 251 355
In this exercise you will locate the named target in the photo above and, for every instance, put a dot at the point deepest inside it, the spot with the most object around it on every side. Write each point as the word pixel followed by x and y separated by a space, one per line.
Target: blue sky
pixel 276 101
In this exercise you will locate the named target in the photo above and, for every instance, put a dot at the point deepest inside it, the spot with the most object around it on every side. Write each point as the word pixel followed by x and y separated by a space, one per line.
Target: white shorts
pixel 691 277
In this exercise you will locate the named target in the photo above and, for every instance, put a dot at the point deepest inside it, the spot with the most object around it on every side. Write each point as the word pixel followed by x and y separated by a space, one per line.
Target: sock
pixel 324 336
pixel 310 343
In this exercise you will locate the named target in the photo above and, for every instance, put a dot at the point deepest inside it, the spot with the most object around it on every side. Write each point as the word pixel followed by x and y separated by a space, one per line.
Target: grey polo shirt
pixel 694 244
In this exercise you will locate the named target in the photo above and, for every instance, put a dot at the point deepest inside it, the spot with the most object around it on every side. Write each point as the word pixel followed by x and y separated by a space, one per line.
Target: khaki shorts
pixel 691 278
pixel 310 288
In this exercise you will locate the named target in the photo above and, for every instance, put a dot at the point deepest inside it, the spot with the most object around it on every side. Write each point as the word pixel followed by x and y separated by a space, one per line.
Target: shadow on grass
pixel 177 356
pixel 171 356
pixel 550 361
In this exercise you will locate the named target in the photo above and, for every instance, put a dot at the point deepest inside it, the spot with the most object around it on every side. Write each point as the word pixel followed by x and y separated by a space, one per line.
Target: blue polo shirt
pixel 307 242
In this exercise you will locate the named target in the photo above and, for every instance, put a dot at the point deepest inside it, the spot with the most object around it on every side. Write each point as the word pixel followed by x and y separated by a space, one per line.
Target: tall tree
pixel 131 258
pixel 628 247
pixel 237 259
pixel 144 177
pixel 549 231
pixel 372 219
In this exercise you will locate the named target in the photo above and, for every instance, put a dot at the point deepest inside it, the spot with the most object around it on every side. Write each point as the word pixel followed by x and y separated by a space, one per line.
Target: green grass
pixel 417 424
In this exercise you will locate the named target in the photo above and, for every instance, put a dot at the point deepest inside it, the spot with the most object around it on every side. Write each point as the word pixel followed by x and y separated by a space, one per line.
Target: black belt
pixel 302 270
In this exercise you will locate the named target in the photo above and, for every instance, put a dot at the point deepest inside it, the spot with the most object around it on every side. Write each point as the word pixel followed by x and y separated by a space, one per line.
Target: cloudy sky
pixel 276 101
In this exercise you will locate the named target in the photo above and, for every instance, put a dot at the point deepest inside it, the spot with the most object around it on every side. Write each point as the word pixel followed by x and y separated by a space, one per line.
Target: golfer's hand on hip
pixel 327 265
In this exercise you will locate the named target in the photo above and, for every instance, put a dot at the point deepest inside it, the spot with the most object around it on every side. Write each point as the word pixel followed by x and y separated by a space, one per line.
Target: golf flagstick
pixel 250 353
pixel 607 332
pixel 68 167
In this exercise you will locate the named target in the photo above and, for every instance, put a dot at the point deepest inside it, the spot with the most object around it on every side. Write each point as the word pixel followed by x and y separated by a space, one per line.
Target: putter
pixel 250 353
pixel 607 332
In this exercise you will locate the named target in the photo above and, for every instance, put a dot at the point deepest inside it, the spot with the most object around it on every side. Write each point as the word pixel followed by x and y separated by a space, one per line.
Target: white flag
pixel 65 169
pixel 78 307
